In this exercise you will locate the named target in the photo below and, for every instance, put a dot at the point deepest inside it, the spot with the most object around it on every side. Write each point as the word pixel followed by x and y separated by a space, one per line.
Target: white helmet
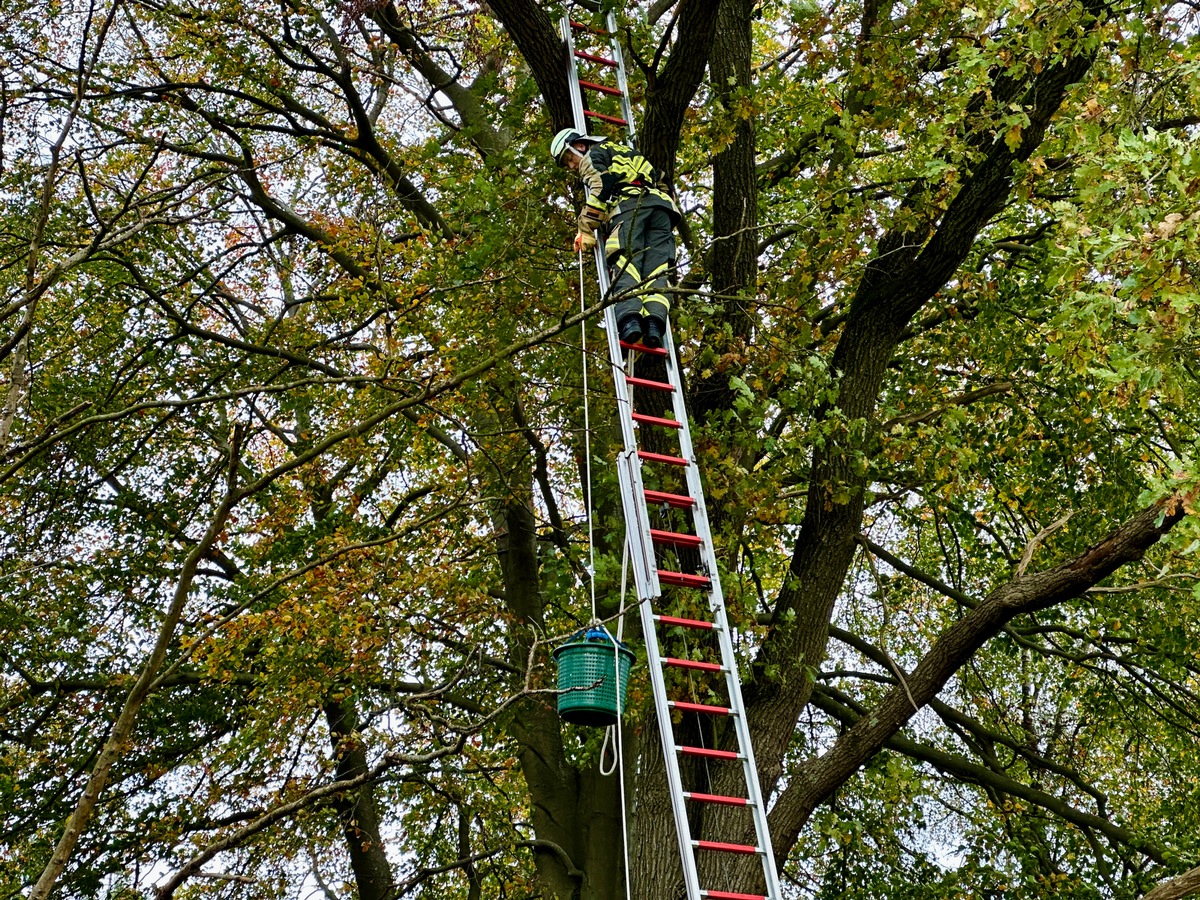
pixel 562 142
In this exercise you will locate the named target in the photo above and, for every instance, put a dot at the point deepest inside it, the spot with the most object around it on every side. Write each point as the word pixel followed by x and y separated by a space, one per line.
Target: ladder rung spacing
pixel 666 458
pixel 683 579
pixel 719 799
pixel 659 437
pixel 702 708
pixel 644 419
pixel 650 383
pixel 692 664
pixel 723 847
pixel 674 537
pixel 662 498
pixel 592 57
pixel 600 88
pixel 706 753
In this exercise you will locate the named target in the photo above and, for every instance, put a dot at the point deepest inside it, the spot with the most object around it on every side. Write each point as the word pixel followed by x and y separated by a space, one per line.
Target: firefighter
pixel 630 202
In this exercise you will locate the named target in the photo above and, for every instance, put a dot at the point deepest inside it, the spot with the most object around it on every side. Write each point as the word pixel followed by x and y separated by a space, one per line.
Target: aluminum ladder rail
pixel 642 538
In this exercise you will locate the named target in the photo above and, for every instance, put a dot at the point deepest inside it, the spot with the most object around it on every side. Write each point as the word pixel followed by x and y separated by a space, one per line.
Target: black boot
pixel 652 332
pixel 631 329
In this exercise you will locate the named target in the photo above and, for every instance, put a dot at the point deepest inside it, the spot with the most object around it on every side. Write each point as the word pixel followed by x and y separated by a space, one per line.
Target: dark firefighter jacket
pixel 620 180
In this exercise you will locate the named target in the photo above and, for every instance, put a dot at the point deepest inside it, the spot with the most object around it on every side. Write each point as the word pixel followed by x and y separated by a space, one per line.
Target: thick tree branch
pixel 1185 885
pixel 536 37
pixel 671 90
pixel 475 119
pixel 820 777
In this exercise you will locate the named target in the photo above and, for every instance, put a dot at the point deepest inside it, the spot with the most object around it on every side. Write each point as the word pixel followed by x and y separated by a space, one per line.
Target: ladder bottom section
pixel 730 895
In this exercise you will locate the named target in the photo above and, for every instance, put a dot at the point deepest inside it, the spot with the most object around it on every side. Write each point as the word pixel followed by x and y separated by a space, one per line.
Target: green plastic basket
pixel 587 664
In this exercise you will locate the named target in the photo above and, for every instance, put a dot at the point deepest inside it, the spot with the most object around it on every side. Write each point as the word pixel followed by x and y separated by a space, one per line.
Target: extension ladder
pixel 703 590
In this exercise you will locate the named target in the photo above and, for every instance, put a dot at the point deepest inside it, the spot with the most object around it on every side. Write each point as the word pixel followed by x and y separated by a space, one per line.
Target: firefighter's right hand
pixel 584 242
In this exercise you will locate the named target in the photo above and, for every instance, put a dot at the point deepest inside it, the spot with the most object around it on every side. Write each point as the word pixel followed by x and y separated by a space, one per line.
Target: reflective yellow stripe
pixel 626 267
pixel 631 166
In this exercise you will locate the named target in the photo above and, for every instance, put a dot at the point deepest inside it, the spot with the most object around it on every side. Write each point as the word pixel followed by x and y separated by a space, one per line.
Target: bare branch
pixel 1027 556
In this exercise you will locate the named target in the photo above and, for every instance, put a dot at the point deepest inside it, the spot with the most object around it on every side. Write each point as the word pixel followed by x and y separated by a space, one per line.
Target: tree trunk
pixel 734 257
pixel 357 809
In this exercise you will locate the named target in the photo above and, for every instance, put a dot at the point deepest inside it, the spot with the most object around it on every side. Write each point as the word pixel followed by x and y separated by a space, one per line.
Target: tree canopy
pixel 292 456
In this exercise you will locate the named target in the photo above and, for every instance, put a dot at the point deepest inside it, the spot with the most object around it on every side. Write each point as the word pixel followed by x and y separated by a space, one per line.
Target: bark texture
pixel 576 812
pixel 1186 885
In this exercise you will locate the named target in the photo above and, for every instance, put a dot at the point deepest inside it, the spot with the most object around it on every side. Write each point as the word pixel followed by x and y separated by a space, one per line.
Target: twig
pixel 1027 556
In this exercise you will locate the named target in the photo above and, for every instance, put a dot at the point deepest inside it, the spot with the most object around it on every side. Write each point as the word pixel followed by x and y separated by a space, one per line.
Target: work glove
pixel 584 242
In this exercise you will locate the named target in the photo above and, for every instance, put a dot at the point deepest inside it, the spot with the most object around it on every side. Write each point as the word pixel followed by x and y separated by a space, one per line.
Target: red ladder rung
pixel 682 579
pixel 667 458
pixel 701 708
pixel 581 26
pixel 600 88
pixel 679 501
pixel 716 798
pixel 642 348
pixel 657 420
pixel 709 754
pixel 685 623
pixel 674 537
pixel 592 57
pixel 614 120
pixel 723 847
pixel 731 895
pixel 649 383
pixel 692 664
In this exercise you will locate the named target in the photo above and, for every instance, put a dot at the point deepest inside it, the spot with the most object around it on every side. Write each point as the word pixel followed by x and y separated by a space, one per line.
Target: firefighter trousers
pixel 641 259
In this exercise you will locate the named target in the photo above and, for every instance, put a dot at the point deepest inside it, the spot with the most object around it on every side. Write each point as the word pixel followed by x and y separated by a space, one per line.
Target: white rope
pixel 608 732
pixel 621 758
pixel 587 441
